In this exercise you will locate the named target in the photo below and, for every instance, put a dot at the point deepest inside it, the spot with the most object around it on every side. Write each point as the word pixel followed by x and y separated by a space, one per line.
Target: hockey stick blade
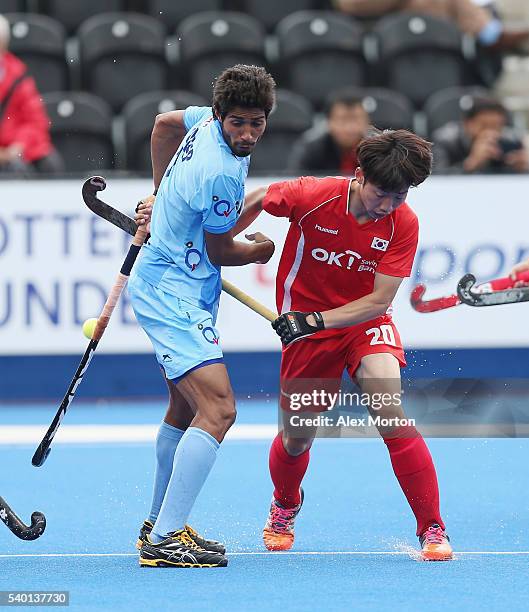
pixel 43 449
pixel 492 298
pixel 90 189
pixel 20 529
pixel 420 305
pixel 493 286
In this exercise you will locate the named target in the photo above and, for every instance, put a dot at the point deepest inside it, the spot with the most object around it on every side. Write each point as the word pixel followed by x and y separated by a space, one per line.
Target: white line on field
pixel 282 554
pixel 83 434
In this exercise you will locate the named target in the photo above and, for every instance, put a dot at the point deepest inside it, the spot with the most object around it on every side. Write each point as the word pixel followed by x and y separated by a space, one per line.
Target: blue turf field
pixel 354 536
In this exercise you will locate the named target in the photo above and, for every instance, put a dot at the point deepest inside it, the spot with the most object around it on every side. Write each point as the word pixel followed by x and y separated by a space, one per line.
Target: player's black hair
pixel 394 159
pixel 245 86
pixel 482 105
pixel 347 96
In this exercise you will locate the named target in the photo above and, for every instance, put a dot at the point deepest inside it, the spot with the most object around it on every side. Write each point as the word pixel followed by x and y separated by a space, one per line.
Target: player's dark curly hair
pixel 394 159
pixel 246 86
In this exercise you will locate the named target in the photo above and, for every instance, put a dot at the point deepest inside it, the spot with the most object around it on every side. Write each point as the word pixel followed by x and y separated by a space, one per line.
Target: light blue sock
pixel 166 442
pixel 193 460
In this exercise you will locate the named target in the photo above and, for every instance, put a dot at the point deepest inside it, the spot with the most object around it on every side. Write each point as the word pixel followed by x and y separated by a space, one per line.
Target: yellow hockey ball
pixel 88 328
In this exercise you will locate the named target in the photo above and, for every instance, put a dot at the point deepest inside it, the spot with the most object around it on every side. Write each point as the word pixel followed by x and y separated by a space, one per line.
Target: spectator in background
pixel 481 142
pixel 467 15
pixel 25 145
pixel 332 149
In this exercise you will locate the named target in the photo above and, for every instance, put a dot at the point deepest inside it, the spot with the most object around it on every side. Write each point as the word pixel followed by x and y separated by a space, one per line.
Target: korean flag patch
pixel 380 244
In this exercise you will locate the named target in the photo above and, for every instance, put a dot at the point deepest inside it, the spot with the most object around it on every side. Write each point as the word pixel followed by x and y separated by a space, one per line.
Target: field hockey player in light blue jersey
pixel 175 292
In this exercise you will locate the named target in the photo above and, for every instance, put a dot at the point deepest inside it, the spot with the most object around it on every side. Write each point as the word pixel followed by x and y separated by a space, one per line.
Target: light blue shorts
pixel 183 335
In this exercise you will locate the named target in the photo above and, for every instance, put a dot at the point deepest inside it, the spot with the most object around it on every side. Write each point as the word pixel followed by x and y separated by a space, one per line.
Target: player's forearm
pixel 364 309
pixel 520 267
pixel 253 205
pixel 167 134
pixel 241 254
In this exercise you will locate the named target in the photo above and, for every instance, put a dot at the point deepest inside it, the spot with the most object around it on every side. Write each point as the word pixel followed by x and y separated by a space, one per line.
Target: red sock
pixel 414 469
pixel 287 472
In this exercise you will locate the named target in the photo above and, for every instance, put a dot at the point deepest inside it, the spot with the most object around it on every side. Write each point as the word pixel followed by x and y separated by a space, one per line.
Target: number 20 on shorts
pixel 382 335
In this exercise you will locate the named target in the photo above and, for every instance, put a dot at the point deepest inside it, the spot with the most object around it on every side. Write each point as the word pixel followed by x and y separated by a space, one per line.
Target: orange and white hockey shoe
pixel 278 533
pixel 435 544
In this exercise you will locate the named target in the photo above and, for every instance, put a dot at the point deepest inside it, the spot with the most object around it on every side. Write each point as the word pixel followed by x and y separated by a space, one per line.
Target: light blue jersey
pixel 202 189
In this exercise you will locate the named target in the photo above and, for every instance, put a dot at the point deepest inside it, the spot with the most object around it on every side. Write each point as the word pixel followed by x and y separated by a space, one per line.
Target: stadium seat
pixel 122 55
pixel 448 104
pixel 81 130
pixel 212 41
pixel 418 55
pixel 71 13
pixel 138 115
pixel 271 12
pixel 12 6
pixel 320 51
pixel 39 41
pixel 291 116
pixel 387 109
pixel 171 13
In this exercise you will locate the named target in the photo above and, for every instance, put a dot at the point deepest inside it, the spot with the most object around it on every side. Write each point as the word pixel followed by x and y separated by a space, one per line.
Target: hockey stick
pixel 449 301
pixel 490 298
pixel 434 305
pixel 248 301
pixel 102 209
pixel 127 224
pixel 21 530
pixel 43 449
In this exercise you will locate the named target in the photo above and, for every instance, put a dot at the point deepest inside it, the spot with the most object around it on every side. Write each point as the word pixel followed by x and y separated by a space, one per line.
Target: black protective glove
pixel 292 326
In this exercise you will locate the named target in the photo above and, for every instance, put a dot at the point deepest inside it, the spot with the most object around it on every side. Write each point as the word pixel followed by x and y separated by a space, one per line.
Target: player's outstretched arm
pixel 223 250
pixel 294 325
pixel 167 134
pixel 253 205
pixel 366 308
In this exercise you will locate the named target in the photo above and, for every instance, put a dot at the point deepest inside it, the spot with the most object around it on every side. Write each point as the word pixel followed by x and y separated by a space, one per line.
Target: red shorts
pixel 320 362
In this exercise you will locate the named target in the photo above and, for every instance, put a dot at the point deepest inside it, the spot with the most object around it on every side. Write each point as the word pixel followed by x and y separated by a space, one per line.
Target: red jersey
pixel 328 258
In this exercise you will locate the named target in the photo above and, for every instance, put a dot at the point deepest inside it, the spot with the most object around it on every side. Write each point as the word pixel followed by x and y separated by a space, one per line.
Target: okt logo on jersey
pixel 222 208
pixel 333 258
pixel 210 333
